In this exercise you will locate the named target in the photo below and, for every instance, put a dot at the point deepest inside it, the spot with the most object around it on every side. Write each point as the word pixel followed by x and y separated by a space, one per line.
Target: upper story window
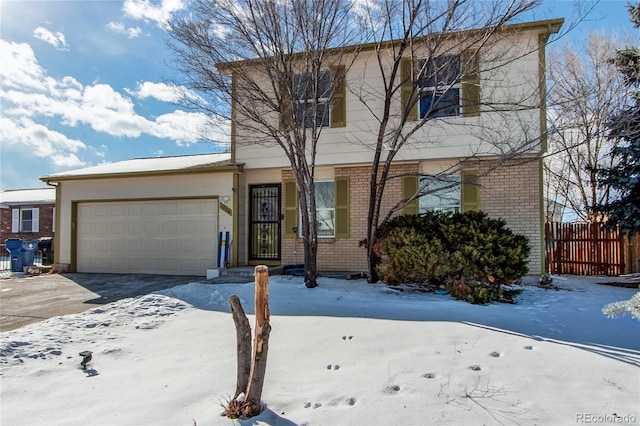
pixel 313 99
pixel 444 194
pixel 439 86
pixel 25 220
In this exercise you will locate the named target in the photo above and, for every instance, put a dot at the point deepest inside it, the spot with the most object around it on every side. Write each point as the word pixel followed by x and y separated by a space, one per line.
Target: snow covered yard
pixel 346 353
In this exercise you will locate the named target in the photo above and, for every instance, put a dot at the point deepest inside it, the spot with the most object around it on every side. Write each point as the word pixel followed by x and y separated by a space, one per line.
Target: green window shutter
pixel 342 207
pixel 407 93
pixel 470 192
pixel 470 96
pixel 290 208
pixel 409 188
pixel 339 99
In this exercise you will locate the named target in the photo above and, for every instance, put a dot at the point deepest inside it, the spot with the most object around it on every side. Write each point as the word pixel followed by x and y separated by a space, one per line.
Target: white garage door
pixel 171 237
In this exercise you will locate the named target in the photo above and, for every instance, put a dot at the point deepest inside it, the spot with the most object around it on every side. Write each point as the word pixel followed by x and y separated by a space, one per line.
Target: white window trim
pixel 333 209
pixel 17 219
pixel 439 91
pixel 322 100
pixel 423 207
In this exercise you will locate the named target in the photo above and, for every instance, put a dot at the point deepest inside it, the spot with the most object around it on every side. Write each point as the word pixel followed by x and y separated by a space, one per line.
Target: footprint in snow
pixel 392 389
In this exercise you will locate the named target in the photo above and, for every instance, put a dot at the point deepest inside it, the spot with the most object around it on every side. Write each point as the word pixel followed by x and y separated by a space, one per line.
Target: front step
pixel 247 271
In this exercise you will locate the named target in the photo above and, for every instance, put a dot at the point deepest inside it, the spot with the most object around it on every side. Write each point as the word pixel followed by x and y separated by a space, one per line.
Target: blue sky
pixel 85 82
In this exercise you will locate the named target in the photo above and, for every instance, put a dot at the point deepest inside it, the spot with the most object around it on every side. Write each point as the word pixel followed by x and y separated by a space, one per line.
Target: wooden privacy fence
pixel 589 249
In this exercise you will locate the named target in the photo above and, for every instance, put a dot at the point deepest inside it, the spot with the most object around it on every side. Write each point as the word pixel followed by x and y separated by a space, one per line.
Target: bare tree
pixel 444 44
pixel 586 89
pixel 266 63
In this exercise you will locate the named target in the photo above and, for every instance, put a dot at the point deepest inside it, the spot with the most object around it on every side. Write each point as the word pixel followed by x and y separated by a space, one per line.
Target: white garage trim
pixel 170 237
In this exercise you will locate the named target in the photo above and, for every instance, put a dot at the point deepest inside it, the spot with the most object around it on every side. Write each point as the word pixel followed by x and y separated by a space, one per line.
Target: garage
pixel 176 237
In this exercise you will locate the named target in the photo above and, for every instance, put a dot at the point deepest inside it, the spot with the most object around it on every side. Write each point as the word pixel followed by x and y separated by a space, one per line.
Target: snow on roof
pixel 28 196
pixel 155 164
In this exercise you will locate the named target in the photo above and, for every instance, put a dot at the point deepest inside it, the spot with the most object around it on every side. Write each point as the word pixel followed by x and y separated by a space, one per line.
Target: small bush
pixel 474 255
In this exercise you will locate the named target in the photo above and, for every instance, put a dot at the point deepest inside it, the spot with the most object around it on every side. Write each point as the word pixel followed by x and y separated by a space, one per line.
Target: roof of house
pixel 14 197
pixel 547 26
pixel 148 166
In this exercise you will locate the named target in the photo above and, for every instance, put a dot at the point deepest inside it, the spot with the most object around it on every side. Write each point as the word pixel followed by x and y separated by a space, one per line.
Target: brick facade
pixel 511 192
pixel 46 221
pixel 346 254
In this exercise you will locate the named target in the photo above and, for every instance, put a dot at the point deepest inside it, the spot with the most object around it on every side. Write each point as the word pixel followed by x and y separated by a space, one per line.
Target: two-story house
pixel 167 215
pixel 487 133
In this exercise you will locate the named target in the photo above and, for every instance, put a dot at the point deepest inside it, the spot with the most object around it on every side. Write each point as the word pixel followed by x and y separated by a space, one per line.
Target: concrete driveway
pixel 31 299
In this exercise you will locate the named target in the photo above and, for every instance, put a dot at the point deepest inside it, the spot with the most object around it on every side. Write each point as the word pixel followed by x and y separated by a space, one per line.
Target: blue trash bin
pixel 14 247
pixel 29 248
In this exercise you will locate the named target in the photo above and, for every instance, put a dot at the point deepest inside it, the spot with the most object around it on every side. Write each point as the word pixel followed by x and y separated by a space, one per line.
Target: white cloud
pixel 147 11
pixel 56 39
pixel 41 141
pixel 119 28
pixel 188 127
pixel 28 96
pixel 163 92
pixel 20 68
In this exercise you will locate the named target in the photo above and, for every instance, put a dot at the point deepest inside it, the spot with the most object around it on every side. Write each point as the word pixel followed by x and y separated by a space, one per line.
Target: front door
pixel 264 222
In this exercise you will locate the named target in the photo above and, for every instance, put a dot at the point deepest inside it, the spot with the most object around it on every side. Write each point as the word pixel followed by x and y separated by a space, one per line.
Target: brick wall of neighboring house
pixel 512 192
pixel 45 221
pixel 345 254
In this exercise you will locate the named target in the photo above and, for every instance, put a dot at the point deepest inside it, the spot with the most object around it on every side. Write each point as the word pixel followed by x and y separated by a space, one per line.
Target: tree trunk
pixel 243 339
pixel 261 344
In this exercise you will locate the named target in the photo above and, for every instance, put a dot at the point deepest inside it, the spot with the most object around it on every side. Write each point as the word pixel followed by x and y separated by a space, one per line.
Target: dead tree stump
pixel 243 347
pixel 251 372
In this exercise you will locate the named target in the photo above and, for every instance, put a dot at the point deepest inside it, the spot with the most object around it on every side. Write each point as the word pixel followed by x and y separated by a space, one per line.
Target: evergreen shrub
pixel 473 255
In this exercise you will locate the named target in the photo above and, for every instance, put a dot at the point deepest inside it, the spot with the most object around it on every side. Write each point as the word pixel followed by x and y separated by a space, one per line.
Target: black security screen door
pixel 264 222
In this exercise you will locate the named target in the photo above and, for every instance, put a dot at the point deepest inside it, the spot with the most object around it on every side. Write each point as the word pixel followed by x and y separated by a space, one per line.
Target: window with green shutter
pixel 448 85
pixel 332 208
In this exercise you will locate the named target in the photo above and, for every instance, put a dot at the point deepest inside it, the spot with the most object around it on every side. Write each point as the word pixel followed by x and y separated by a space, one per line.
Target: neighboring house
pixel 165 215
pixel 153 215
pixel 27 213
